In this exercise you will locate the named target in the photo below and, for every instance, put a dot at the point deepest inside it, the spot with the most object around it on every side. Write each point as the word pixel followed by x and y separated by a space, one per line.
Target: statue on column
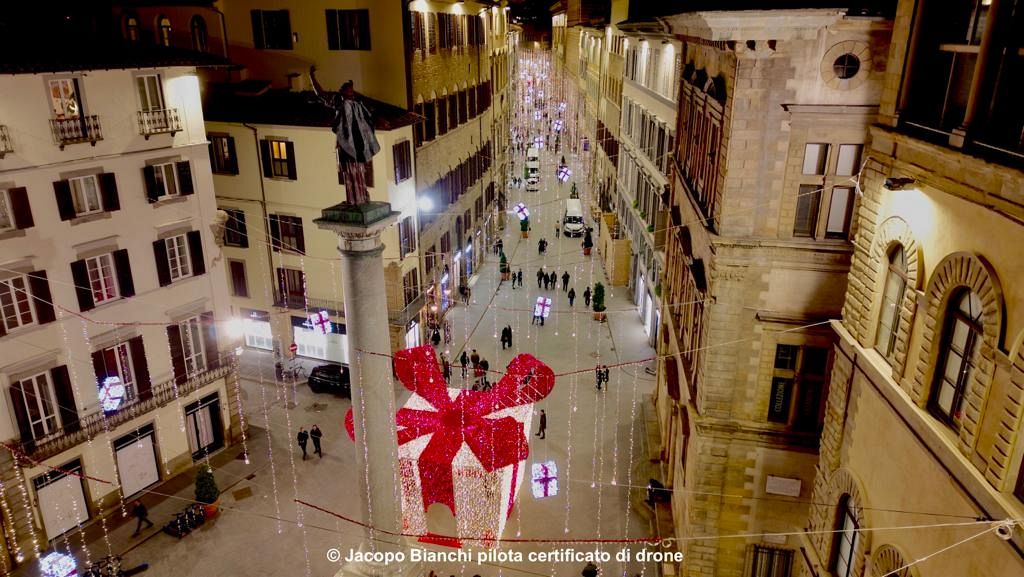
pixel 356 141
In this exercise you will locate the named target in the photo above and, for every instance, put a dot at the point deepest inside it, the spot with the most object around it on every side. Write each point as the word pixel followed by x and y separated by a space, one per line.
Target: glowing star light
pixel 539 142
pixel 536 114
pixel 558 125
pixel 321 322
pixel 544 480
pixel 542 308
pixel 58 565
pixel 564 173
pixel 112 393
pixel 522 211
pixel 561 107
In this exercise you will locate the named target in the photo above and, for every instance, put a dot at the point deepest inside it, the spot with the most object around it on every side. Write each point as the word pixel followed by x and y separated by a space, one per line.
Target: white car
pixel 532 184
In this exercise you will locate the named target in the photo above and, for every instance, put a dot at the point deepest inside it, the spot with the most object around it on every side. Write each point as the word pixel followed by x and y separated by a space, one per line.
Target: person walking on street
pixel 599 376
pixel 558 229
pixel 519 278
pixel 508 332
pixel 435 337
pixel 554 279
pixel 140 512
pixel 586 296
pixel 541 276
pixel 565 281
pixel 464 360
pixel 499 247
pixel 543 424
pixel 446 367
pixel 303 439
pixel 484 366
pixel 572 296
pixel 474 358
pixel 606 376
pixel 316 435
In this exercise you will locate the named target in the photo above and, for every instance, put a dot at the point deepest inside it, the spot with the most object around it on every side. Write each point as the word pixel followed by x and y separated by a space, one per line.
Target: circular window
pixel 846 66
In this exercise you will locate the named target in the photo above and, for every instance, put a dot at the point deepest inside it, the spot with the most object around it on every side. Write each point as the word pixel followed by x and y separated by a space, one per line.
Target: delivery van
pixel 572 221
pixel 532 155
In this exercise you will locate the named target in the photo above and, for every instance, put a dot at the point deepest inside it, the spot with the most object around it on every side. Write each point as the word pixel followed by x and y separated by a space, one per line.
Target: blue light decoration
pixel 112 393
pixel 522 211
pixel 538 142
pixel 557 125
pixel 58 565
pixel 544 479
pixel 564 173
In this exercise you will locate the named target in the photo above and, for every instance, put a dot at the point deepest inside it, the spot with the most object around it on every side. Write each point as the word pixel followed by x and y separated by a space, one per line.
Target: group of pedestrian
pixel 315 434
pixel 517 278
pixel 542 246
pixel 602 374
pixel 506 337
pixel 480 367
pixel 499 247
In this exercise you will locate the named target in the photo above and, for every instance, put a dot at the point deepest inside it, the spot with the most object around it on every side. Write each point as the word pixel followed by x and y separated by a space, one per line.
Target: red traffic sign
pixel 293 347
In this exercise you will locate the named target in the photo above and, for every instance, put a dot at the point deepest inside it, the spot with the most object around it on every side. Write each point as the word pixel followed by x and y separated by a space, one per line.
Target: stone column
pixel 373 400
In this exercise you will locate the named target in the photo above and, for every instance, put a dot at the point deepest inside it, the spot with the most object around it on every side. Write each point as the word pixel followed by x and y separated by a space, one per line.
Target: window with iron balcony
pixel 154 116
pixel 70 124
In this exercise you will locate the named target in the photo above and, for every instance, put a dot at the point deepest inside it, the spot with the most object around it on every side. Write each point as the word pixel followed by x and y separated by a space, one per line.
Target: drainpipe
pixel 263 199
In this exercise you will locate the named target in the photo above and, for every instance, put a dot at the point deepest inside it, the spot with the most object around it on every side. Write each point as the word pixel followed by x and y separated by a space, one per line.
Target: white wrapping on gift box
pixel 482 498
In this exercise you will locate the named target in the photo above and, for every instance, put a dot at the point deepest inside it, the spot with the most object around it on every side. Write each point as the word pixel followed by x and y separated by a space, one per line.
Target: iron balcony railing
pixel 159 121
pixel 5 141
pixel 74 130
pixel 411 311
pixel 291 301
pixel 97 423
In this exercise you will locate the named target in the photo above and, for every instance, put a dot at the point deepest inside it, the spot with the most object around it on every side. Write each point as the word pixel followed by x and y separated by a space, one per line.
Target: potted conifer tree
pixel 588 242
pixel 504 268
pixel 524 227
pixel 598 303
pixel 207 492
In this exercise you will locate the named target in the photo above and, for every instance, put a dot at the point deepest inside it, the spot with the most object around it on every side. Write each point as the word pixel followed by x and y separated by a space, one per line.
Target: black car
pixel 330 379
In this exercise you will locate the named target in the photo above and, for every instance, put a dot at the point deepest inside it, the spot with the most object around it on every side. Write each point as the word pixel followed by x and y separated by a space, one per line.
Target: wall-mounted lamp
pixel 898 183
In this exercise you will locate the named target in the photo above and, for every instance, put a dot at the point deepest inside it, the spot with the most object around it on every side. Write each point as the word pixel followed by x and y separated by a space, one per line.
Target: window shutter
pixel 300 235
pixel 80 275
pixel 65 398
pixel 258 40
pixel 140 367
pixel 195 252
pixel 275 232
pixel 65 206
pixel 21 414
pixel 432 32
pixel 290 151
pixel 20 209
pixel 332 30
pixel 185 184
pixel 99 366
pixel 123 268
pixel 152 188
pixel 236 222
pixel 40 289
pixel 232 164
pixel 210 340
pixel 268 169
pixel 163 268
pixel 108 190
pixel 177 353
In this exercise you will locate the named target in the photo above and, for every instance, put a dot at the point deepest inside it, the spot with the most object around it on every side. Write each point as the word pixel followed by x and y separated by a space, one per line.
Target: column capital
pixel 358 226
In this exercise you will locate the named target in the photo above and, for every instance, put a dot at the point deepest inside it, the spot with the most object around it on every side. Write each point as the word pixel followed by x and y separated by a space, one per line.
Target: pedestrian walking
pixel 316 435
pixel 572 296
pixel 586 296
pixel 504 338
pixel 464 360
pixel 499 246
pixel 474 359
pixel 435 337
pixel 508 331
pixel 446 367
pixel 558 229
pixel 599 376
pixel 519 278
pixel 540 276
pixel 303 439
pixel 484 366
pixel 606 376
pixel 543 424
pixel 140 512
pixel 565 281
pixel 554 279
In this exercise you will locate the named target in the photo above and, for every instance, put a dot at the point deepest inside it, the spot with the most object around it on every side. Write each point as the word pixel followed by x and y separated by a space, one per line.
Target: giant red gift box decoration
pixel 464 449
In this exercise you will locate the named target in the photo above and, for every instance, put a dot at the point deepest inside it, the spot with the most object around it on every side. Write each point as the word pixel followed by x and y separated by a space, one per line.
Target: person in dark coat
pixel 303 439
pixel 572 296
pixel 541 277
pixel 558 229
pixel 435 337
pixel 554 280
pixel 316 435
pixel 464 360
pixel 519 278
pixel 446 367
pixel 498 246
pixel 484 366
pixel 140 512
pixel 543 424
pixel 586 296
pixel 599 376
pixel 565 281
pixel 508 335
pixel 474 358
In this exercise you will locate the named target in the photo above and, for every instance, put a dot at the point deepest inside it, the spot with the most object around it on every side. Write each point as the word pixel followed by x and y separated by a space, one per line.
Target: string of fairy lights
pixel 605 419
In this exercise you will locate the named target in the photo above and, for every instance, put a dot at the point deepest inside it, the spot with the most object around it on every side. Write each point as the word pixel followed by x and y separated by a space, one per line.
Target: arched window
pixel 164 30
pixel 442 114
pixel 892 301
pixel 957 356
pixel 199 34
pixel 131 28
pixel 844 548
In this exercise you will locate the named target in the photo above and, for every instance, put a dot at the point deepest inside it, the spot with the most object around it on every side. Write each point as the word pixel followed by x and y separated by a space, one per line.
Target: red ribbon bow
pixel 496 442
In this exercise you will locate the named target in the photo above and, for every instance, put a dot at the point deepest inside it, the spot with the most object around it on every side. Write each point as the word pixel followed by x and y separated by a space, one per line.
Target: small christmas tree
pixel 206 486
pixel 598 298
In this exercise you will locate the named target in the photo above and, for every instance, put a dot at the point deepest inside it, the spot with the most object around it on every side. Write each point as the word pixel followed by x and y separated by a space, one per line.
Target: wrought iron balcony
pixel 75 130
pixel 410 312
pixel 159 121
pixel 292 301
pixel 5 141
pixel 97 423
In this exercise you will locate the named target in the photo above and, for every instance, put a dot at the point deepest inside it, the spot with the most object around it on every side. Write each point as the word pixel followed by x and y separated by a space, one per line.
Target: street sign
pixel 293 348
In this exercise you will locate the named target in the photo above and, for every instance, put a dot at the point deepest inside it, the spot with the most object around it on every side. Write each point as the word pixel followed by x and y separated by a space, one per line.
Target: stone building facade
pixel 769 133
pixel 926 389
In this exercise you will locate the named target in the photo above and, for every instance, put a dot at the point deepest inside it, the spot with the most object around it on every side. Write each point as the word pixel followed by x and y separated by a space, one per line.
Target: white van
pixel 532 169
pixel 532 155
pixel 572 221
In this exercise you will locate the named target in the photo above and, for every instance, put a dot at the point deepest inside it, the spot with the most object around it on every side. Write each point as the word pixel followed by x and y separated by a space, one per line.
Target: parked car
pixel 330 378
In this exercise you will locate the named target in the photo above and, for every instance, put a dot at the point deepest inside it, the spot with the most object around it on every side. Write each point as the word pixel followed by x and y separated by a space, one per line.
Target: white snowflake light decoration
pixel 58 565
pixel 544 479
pixel 522 211
pixel 112 394
pixel 564 173
pixel 321 322
pixel 542 308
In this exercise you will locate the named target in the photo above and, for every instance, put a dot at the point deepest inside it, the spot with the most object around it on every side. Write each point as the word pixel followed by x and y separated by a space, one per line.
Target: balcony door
pixel 151 96
pixel 65 98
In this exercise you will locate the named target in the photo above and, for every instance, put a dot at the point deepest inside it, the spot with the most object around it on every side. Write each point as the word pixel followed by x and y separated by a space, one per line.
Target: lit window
pixel 164 26
pixel 85 194
pixel 35 397
pixel 815 157
pixel 117 362
pixel 101 278
pixel 192 346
